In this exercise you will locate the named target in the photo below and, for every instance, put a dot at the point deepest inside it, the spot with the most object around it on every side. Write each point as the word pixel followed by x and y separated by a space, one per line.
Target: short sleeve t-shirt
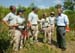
pixel 10 18
pixel 52 20
pixel 33 18
pixel 20 20
pixel 45 22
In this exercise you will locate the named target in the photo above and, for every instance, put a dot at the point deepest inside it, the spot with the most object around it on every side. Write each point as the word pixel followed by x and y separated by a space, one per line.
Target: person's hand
pixel 67 28
pixel 29 24
pixel 15 25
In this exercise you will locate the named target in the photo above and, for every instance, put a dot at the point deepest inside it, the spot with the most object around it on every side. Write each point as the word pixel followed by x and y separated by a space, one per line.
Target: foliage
pixel 71 15
pixel 3 11
pixel 68 4
pixel 4 38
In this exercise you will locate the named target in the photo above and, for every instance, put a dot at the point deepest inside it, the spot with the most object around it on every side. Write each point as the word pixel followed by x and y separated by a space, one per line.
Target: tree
pixel 68 4
pixel 32 5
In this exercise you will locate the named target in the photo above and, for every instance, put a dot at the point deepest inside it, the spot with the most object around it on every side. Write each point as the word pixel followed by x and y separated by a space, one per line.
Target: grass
pixel 40 47
pixel 46 48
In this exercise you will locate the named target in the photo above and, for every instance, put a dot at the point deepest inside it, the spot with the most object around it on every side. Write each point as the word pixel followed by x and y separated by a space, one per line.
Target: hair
pixel 17 13
pixel 52 13
pixel 44 15
pixel 11 7
pixel 58 6
pixel 34 8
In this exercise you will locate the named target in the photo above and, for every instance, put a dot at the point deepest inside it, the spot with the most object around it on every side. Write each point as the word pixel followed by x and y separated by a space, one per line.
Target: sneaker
pixel 35 41
pixel 31 40
pixel 44 40
pixel 63 49
pixel 21 47
pixel 49 43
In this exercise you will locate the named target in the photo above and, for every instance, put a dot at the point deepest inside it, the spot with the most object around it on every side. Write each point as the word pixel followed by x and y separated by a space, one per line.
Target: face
pixel 20 13
pixel 14 9
pixel 36 10
pixel 59 10
pixel 44 15
pixel 52 15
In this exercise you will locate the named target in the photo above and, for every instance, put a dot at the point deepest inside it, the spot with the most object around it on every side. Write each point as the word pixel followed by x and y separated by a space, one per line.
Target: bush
pixel 4 38
pixel 71 15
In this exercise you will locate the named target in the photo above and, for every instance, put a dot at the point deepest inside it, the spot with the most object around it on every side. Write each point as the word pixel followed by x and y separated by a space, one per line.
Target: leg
pixel 63 42
pixel 58 37
pixel 21 42
pixel 61 37
pixel 31 34
pixel 12 34
pixel 17 40
pixel 45 35
pixel 36 33
pixel 49 34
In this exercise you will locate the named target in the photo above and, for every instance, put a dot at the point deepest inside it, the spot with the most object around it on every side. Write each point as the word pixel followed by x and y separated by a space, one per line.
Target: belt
pixel 34 24
pixel 61 26
pixel 45 27
pixel 51 24
pixel 12 27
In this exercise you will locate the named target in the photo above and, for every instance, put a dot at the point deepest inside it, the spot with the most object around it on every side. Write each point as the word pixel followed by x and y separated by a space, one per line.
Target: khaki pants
pixel 34 31
pixel 52 30
pixel 16 36
pixel 47 32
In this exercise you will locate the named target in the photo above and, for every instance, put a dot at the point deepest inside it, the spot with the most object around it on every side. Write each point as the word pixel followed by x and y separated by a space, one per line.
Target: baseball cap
pixel 21 10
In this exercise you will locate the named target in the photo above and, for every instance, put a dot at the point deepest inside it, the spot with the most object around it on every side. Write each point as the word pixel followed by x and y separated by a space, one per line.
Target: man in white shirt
pixel 46 28
pixel 11 22
pixel 52 23
pixel 33 21
pixel 10 18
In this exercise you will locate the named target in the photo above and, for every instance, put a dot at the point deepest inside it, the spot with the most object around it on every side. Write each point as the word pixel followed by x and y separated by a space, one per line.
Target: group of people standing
pixel 16 23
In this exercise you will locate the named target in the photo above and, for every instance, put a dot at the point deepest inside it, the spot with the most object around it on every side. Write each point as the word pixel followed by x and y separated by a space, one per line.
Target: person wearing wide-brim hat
pixel 52 23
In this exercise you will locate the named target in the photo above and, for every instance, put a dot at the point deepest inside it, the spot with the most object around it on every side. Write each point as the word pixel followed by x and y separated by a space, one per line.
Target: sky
pixel 26 3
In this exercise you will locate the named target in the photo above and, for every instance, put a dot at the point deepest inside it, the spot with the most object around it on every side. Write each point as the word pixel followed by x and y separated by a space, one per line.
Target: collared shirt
pixel 33 18
pixel 51 20
pixel 10 18
pixel 45 22
pixel 62 20
pixel 20 20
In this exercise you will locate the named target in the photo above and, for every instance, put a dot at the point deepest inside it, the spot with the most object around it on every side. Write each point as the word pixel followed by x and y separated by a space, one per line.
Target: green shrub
pixel 71 15
pixel 4 38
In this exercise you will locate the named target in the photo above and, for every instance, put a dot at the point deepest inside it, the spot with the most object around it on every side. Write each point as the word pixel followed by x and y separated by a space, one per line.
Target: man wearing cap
pixel 33 21
pixel 62 22
pixel 20 21
pixel 52 23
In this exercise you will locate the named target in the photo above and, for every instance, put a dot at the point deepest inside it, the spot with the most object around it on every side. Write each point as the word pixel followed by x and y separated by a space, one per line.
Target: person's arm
pixel 5 20
pixel 55 21
pixel 48 21
pixel 6 23
pixel 67 22
pixel 29 20
pixel 40 22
